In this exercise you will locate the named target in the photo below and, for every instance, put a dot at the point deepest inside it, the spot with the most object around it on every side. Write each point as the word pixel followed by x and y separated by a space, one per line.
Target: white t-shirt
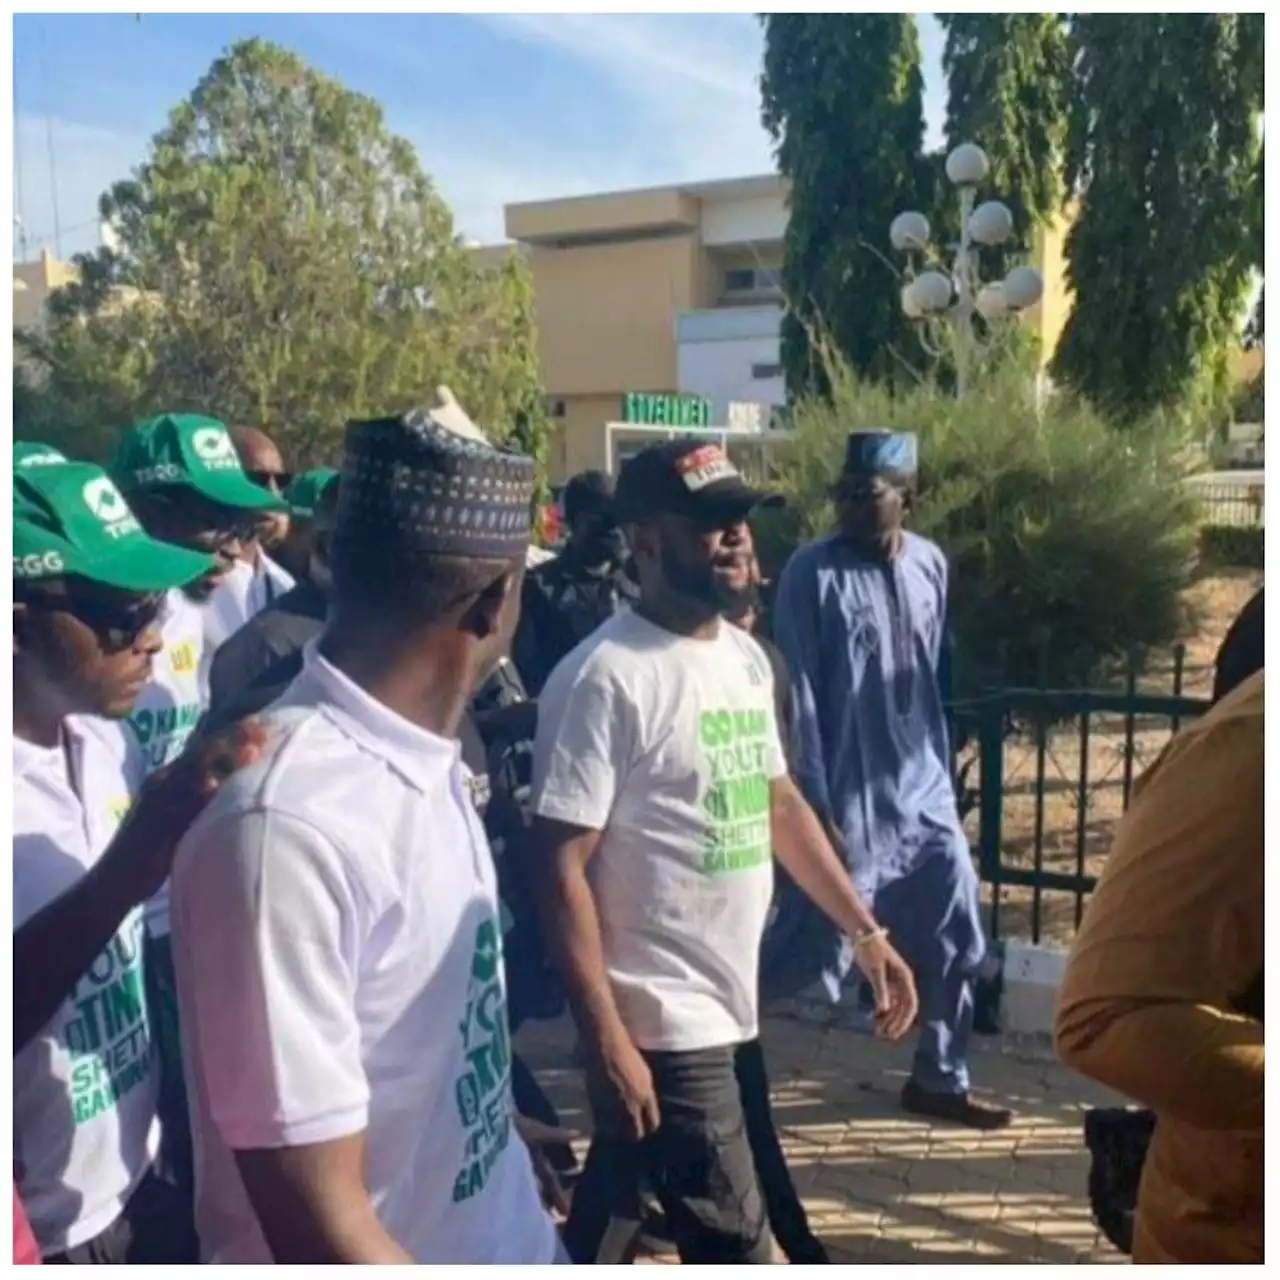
pixel 668 745
pixel 169 708
pixel 84 1090
pixel 244 592
pixel 338 957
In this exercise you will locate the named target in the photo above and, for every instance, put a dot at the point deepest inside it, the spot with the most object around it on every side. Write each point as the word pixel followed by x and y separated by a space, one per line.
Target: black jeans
pixel 698 1164
pixel 156 1226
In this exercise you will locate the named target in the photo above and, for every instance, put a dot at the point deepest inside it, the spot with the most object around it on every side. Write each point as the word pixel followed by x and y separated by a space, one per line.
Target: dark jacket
pixel 270 684
pixel 561 606
pixel 278 631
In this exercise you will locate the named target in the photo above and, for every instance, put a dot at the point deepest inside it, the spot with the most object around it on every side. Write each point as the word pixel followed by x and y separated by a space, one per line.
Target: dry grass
pixel 1076 835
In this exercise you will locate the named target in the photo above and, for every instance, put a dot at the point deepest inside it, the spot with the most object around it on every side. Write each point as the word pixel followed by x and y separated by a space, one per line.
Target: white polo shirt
pixel 667 746
pixel 338 957
pixel 169 708
pixel 84 1090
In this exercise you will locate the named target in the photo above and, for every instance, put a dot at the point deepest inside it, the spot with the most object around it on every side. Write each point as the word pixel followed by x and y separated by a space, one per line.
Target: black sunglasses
pixel 275 481
pixel 192 522
pixel 117 618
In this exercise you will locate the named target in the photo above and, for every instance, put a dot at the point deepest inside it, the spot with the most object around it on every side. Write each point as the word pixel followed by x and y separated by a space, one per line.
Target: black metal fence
pixel 1055 770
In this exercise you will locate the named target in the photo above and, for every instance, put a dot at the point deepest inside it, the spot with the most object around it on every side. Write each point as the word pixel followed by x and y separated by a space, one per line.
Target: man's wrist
pixel 116 882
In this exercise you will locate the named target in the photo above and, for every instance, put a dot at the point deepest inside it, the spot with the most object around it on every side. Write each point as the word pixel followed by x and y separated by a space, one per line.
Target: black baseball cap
pixel 688 478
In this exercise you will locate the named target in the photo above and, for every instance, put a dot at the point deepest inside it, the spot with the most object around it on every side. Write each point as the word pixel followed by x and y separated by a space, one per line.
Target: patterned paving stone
pixel 882 1186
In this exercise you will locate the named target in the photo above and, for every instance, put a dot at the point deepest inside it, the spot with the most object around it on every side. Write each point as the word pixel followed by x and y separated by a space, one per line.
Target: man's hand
pixel 891 983
pixel 628 1075
pixel 170 801
pixel 537 1138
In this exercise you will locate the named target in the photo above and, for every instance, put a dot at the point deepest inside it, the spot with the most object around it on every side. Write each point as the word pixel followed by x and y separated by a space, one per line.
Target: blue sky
pixel 621 100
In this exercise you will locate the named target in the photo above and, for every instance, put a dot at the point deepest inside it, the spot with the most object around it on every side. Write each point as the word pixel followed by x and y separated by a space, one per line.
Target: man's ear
pixel 484 617
pixel 642 538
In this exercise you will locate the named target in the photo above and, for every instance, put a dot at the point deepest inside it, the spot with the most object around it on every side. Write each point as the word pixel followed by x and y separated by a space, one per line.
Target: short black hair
pixel 424 589
pixel 588 493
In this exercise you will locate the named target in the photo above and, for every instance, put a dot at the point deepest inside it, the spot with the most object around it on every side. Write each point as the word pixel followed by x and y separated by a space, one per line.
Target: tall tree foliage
pixel 1163 151
pixel 283 260
pixel 1008 88
pixel 842 102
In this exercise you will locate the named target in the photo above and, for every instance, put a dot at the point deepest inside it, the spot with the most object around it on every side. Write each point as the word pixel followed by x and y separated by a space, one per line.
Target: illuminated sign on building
pixel 666 410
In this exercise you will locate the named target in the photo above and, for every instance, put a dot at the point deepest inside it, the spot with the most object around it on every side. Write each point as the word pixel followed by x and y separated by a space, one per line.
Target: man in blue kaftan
pixel 860 617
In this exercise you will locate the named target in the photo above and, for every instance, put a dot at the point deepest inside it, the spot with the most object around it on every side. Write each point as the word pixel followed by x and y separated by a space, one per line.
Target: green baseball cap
pixel 304 492
pixel 27 453
pixel 72 519
pixel 191 451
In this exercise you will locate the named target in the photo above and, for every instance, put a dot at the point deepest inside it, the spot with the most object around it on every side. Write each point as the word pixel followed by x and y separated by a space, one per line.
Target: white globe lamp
pixel 909 232
pixel 932 292
pixel 910 306
pixel 991 223
pixel 990 302
pixel 1022 288
pixel 967 165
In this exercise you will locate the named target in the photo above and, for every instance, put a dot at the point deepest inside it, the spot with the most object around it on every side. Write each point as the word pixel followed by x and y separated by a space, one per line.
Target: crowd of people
pixel 325 784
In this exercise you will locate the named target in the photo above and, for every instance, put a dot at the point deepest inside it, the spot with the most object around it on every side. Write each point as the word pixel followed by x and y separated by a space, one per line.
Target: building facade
pixel 675 291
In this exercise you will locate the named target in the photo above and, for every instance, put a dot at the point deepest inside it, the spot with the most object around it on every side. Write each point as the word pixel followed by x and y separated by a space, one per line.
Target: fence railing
pixel 1239 504
pixel 1055 772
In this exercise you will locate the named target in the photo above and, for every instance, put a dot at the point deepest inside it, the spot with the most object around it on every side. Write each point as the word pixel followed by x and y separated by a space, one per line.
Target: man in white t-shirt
pixel 662 797
pixel 335 911
pixel 183 477
pixel 88 588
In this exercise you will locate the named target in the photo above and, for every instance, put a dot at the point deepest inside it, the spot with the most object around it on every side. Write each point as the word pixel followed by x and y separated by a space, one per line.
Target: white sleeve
pixel 775 759
pixel 582 751
pixel 267 924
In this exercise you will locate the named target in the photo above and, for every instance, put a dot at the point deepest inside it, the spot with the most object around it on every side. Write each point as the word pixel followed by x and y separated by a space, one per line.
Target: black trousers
pixel 156 1227
pixel 699 1165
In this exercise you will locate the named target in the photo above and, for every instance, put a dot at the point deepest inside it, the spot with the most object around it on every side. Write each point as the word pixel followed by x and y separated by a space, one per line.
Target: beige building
pixel 674 291
pixel 33 282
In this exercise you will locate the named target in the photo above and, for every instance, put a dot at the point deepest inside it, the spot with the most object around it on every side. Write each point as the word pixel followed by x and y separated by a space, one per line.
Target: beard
pixel 701 584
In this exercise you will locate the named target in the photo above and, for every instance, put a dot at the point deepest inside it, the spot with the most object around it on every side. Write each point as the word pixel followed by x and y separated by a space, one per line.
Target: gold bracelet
pixel 875 934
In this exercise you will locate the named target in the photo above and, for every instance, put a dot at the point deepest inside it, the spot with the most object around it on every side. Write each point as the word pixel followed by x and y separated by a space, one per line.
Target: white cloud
pixel 692 83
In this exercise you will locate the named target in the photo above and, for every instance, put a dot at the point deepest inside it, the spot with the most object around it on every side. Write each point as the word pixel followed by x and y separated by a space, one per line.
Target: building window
pixel 555 408
pixel 763 372
pixel 753 280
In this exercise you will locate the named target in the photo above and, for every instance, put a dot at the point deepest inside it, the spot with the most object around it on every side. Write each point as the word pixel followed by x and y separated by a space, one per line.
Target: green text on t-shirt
pixel 735 744
pixel 162 733
pixel 108 1036
pixel 482 1091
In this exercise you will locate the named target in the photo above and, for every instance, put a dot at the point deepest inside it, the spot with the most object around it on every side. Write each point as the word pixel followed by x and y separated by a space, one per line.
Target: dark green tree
pixel 1163 150
pixel 1008 77
pixel 283 260
pixel 842 102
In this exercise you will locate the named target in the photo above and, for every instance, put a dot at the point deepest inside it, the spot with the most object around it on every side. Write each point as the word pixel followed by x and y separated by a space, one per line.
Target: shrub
pixel 1070 543
pixel 1233 545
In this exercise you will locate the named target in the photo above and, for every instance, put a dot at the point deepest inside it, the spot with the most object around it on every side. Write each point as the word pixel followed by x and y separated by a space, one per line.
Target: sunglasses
pixel 202 526
pixel 118 619
pixel 275 481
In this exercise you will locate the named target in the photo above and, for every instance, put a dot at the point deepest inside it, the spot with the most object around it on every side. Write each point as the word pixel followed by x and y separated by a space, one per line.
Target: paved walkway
pixel 881 1186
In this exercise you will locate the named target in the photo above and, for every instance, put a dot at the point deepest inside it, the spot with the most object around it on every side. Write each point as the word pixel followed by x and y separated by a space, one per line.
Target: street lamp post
pixel 955 294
